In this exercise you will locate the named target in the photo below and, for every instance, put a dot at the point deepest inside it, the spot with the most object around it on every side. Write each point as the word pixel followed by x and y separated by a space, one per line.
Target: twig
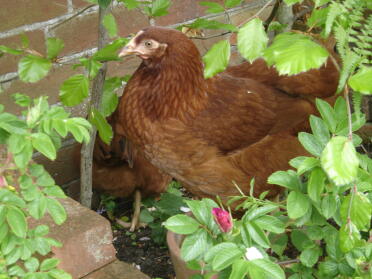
pixel 212 36
pixel 73 16
pixel 95 102
pixel 258 13
pixel 288 262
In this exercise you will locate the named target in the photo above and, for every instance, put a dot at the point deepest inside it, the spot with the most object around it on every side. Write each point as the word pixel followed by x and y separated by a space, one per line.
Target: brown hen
pixel 122 171
pixel 210 134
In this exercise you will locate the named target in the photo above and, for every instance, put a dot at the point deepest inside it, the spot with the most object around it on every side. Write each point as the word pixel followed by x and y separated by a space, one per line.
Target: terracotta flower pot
pixel 182 271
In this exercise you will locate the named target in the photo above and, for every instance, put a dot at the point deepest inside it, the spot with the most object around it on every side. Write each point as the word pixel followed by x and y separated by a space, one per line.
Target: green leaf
pixel 109 23
pixel 21 99
pixel 24 157
pixel 239 269
pixel 358 209
pixel 255 213
pixel 104 3
pixel 225 258
pixel 300 240
pixel 252 39
pixel 42 246
pixel 287 53
pixel 318 17
pixel 160 7
pixel 56 210
pixel 309 257
pixel 340 161
pixel 319 129
pixel 297 161
pixel 203 213
pixel 328 206
pixel 215 250
pixel 17 221
pixel 327 113
pixel 13 256
pixel 257 234
pixel 232 3
pixel 270 223
pixel 130 4
pixel 54 46
pixel 109 99
pixel 37 207
pixel 41 230
pixel 54 191
pixel 211 24
pixel 288 179
pixel 32 68
pixel 279 243
pixel 310 143
pixel 212 7
pixel 216 59
pixel 297 204
pixel 104 129
pixel 59 274
pixel 91 65
pixel 9 50
pixel 308 164
pixel 32 264
pixel 263 269
pixel 194 245
pixel 49 264
pixel 182 224
pixel 361 81
pixel 316 184
pixel 74 90
pixel 16 143
pixel 110 52
pixel 42 143
pixel 349 237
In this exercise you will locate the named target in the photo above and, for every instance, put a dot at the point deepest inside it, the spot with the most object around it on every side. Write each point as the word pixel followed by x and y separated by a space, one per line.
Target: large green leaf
pixel 17 221
pixel 287 53
pixel 257 234
pixel 349 237
pixel 252 39
pixel 74 90
pixel 195 245
pixel 182 224
pixel 310 143
pixel 43 143
pixel 319 129
pixel 263 269
pixel 225 258
pixel 217 58
pixel 239 269
pixel 215 250
pixel 56 210
pixel 160 7
pixel 310 256
pixel 340 161
pixel 104 129
pixel 288 179
pixel 358 209
pixel 316 184
pixel 270 223
pixel 32 68
pixel 361 81
pixel 297 204
pixel 109 23
pixel 54 46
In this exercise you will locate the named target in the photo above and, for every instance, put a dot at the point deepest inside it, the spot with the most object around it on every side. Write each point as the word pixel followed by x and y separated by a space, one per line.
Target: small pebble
pixel 145 238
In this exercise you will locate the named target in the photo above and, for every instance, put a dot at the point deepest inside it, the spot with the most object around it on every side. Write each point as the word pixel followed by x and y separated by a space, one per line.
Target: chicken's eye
pixel 148 43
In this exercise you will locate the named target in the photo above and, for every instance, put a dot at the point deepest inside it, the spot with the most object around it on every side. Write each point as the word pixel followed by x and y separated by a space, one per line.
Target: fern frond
pixel 349 62
pixel 357 104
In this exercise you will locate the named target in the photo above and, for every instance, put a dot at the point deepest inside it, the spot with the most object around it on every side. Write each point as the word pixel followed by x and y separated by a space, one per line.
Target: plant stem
pixel 346 96
pixel 95 102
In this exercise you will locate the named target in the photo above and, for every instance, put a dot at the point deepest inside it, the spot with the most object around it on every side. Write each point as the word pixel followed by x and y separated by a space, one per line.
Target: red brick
pixel 22 12
pixel 80 4
pixel 48 86
pixel 8 61
pixel 78 33
pixel 129 21
pixel 86 238
pixel 65 168
pixel 116 270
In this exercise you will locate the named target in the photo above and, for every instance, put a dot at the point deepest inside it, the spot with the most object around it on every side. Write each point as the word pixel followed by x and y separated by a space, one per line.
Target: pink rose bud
pixel 223 219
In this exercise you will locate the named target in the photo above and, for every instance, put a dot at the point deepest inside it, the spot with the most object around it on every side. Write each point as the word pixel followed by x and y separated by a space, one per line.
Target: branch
pixel 95 102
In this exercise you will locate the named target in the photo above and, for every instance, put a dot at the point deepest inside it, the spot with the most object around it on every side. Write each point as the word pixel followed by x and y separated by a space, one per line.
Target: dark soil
pixel 138 248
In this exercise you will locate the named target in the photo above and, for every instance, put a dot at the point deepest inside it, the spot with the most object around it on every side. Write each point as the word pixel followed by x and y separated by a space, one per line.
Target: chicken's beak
pixel 129 49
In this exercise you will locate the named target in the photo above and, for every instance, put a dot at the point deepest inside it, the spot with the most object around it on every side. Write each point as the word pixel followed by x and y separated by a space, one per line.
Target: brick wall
pixel 75 22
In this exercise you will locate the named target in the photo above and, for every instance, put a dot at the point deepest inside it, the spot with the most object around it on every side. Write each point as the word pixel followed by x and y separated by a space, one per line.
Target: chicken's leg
pixel 137 211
